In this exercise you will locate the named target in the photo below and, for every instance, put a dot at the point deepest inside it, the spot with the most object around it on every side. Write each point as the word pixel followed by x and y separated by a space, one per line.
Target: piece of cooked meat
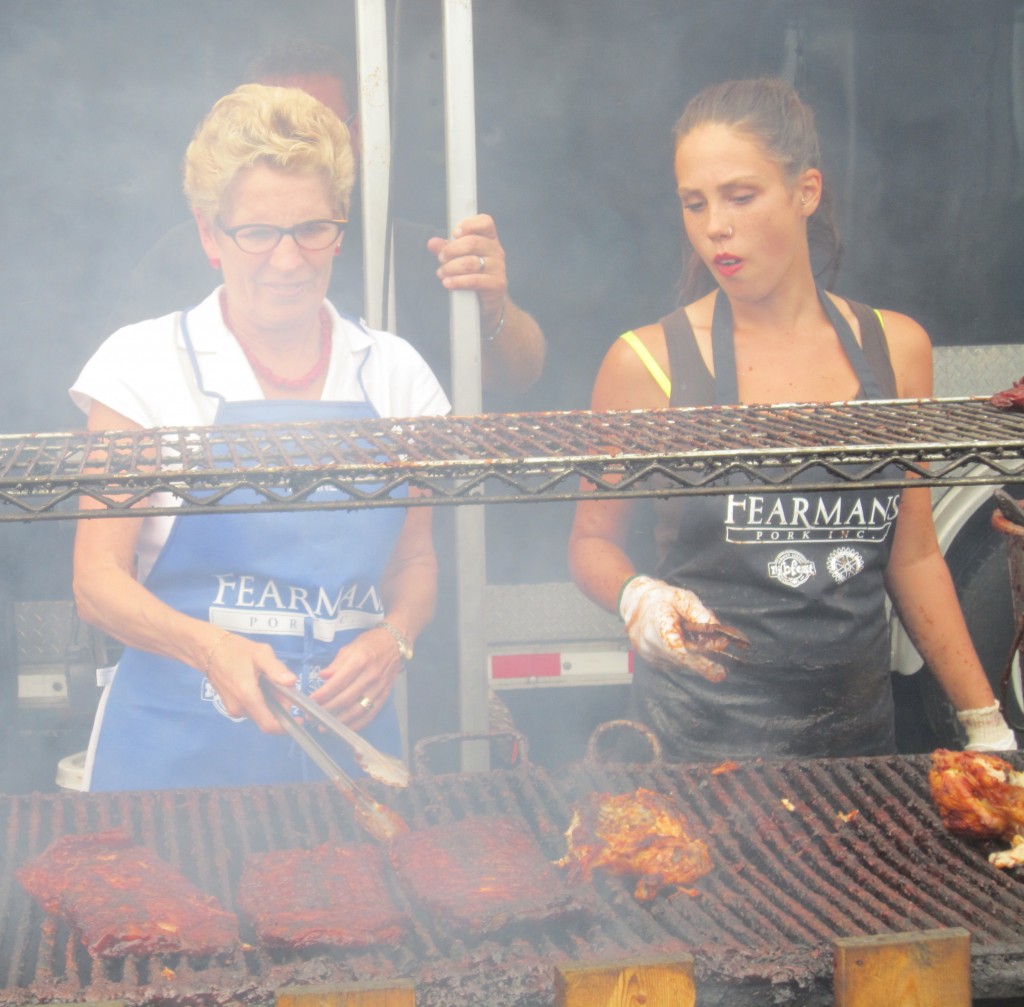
pixel 1009 398
pixel 122 899
pixel 979 795
pixel 482 874
pixel 641 834
pixel 335 896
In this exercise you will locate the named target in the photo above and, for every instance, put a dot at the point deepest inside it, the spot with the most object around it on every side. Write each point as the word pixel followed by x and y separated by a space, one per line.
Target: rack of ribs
pixel 482 874
pixel 122 899
pixel 334 896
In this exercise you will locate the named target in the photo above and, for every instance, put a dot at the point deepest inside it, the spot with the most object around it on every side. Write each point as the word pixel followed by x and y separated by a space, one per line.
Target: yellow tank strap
pixel 649 362
pixel 880 321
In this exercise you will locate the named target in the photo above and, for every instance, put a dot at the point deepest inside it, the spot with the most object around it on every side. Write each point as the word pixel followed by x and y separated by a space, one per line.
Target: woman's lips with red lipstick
pixel 727 264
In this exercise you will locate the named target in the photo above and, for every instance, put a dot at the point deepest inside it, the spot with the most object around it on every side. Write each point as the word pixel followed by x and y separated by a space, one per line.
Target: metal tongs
pixel 385 768
pixel 379 821
pixel 702 639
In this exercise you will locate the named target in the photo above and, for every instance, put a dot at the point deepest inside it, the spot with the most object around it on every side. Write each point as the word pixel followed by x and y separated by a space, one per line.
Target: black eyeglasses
pixel 312 235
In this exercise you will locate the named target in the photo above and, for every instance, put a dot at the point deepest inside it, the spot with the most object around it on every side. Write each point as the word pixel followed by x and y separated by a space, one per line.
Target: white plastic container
pixel 71 772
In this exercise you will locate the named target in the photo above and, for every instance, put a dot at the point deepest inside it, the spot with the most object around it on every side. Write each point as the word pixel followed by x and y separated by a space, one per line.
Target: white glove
pixel 987 731
pixel 652 610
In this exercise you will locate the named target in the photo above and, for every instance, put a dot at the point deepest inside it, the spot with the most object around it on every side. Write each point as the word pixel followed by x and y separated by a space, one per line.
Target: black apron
pixel 801 574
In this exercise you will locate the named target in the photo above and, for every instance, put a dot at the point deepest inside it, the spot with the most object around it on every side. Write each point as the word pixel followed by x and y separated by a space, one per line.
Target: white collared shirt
pixel 143 371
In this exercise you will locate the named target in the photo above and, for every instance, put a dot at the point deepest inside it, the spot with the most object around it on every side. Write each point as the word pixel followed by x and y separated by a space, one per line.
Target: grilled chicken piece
pixel 979 796
pixel 642 834
pixel 1013 857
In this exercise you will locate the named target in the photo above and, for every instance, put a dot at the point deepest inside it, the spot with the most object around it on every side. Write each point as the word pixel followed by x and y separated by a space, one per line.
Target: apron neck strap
pixel 194 360
pixel 723 351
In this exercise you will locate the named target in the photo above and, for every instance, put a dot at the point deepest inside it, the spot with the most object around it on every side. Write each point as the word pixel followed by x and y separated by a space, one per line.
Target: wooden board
pixel 626 984
pixel 931 968
pixel 395 993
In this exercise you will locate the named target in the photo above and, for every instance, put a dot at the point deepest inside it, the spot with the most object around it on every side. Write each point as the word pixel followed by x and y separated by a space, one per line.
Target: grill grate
pixel 784 886
pixel 513 457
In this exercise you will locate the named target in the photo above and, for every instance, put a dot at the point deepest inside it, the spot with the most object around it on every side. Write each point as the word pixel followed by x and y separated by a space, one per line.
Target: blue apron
pixel 307 583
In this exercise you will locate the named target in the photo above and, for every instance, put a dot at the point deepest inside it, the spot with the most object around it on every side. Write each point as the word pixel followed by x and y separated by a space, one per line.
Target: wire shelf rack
pixel 508 457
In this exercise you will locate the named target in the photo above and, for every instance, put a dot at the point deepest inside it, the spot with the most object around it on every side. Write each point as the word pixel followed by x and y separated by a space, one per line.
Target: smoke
pixel 575 105
pixel 575 102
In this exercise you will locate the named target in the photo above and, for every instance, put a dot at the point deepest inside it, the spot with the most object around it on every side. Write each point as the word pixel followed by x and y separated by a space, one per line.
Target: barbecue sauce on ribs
pixel 482 874
pixel 122 899
pixel 335 895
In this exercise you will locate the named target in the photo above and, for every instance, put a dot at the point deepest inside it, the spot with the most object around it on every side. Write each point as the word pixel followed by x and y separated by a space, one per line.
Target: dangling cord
pixel 1004 682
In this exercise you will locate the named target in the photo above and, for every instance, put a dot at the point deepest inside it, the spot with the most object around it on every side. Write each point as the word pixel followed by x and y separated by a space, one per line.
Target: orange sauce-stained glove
pixel 657 616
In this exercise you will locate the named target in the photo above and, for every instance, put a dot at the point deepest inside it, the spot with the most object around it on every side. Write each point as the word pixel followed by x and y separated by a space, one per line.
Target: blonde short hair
pixel 281 127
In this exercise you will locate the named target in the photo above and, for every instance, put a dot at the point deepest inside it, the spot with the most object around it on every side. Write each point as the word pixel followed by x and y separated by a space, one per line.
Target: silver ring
pixel 483 263
pixel 366 703
pixel 728 232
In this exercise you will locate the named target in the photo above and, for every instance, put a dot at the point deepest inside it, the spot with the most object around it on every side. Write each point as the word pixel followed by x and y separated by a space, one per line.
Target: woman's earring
pixel 215 263
pixel 337 249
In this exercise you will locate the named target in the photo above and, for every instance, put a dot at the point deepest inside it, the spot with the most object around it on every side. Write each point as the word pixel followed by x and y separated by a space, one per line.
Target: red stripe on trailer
pixel 526 665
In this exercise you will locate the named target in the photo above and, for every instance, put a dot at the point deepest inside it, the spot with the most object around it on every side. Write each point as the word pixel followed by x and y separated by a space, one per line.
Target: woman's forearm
pixel 409 581
pixel 926 602
pixel 112 600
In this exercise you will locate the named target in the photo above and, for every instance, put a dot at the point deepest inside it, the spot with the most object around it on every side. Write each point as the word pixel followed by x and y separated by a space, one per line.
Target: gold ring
pixel 366 703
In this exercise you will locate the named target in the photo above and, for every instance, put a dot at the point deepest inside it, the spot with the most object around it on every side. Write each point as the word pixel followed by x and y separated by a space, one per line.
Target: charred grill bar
pixel 803 852
pixel 510 457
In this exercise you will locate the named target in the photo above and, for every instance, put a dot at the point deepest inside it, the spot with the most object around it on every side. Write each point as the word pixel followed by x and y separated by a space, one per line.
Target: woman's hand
pixel 362 674
pixel 656 614
pixel 987 730
pixel 234 666
pixel 360 678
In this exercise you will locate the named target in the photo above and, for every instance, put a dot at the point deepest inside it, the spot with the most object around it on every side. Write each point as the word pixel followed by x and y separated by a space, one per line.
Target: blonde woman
pixel 329 602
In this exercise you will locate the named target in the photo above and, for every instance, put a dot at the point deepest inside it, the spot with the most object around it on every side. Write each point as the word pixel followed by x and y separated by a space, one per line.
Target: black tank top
pixel 693 385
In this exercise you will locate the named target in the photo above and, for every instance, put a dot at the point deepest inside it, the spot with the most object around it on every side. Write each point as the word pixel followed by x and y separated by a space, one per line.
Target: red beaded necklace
pixel 316 372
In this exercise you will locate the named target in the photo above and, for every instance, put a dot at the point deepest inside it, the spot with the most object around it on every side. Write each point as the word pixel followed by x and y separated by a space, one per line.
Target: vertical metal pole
pixel 460 159
pixel 375 155
pixel 375 172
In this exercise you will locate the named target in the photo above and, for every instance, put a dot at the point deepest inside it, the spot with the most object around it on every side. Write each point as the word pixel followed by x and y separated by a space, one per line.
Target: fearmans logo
pixel 835 517
pixel 791 568
pixel 247 604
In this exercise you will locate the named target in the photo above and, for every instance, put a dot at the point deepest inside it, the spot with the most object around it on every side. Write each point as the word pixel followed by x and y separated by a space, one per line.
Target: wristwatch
pixel 404 647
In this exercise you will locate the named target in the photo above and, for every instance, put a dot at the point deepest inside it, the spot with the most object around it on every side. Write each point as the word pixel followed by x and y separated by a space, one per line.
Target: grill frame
pixel 513 457
pixel 914 876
